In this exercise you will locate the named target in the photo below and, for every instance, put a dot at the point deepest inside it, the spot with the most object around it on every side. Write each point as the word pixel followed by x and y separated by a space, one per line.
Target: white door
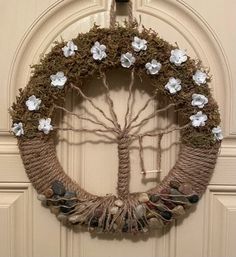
pixel 28 29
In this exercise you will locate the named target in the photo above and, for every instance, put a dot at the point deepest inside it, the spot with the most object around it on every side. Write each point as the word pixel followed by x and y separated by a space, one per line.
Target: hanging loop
pixel 113 11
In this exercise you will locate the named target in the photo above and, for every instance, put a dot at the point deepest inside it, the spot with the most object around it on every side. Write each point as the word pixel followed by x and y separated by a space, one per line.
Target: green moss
pixel 82 66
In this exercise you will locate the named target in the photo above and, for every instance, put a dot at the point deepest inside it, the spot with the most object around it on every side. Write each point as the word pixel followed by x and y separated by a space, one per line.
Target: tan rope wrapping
pixel 42 165
pixel 194 166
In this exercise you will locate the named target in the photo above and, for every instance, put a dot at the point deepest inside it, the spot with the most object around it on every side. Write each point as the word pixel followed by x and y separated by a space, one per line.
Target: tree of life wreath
pixel 171 74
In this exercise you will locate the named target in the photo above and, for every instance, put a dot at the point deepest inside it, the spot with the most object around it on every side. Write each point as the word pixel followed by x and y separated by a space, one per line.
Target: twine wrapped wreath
pixel 171 75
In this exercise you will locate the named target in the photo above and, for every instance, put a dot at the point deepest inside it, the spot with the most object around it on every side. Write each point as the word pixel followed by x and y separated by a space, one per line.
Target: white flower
pixel 139 44
pixel 33 103
pixel 217 133
pixel 153 67
pixel 17 129
pixel 58 80
pixel 45 125
pixel 178 56
pixel 69 49
pixel 98 51
pixel 199 100
pixel 127 60
pixel 173 85
pixel 198 119
pixel 200 77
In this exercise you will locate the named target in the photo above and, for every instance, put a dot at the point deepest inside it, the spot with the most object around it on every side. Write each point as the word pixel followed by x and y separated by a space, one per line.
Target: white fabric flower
pixel 173 85
pixel 127 60
pixel 139 44
pixel 45 125
pixel 153 67
pixel 33 103
pixel 217 133
pixel 98 51
pixel 200 77
pixel 199 100
pixel 17 129
pixel 58 80
pixel 198 119
pixel 178 56
pixel 69 49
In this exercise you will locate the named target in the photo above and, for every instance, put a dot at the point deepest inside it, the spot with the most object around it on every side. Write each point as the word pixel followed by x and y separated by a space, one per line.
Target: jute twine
pixel 43 167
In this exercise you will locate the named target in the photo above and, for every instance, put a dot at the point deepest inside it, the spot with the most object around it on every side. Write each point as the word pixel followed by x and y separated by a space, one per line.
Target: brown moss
pixel 81 66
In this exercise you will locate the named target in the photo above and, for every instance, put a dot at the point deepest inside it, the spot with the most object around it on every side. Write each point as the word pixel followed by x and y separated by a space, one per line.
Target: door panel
pixel 29 28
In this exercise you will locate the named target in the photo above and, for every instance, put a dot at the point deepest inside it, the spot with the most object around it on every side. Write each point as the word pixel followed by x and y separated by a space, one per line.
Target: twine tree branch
pixel 129 98
pixel 85 130
pixel 92 103
pixel 161 132
pixel 87 119
pixel 110 101
pixel 142 122
pixel 141 110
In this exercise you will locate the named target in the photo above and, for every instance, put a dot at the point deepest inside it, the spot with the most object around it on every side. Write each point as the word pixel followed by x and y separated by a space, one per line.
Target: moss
pixel 82 66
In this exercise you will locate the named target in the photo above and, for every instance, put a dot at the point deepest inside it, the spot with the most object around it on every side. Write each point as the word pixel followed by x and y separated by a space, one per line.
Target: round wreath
pixel 171 74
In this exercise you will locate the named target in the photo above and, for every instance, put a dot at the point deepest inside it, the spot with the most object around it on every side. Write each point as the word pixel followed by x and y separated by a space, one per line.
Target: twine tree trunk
pixel 124 166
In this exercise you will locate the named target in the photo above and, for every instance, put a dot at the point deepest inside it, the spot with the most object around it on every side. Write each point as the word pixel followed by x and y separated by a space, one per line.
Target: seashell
pixel 178 211
pixel 143 198
pixel 115 226
pixel 145 230
pixel 114 210
pixel 186 189
pixel 76 218
pixel 41 198
pixel 54 210
pixel 119 203
pixel 155 223
pixel 62 217
pixel 151 215
pixel 120 221
pixel 140 211
pixel 48 193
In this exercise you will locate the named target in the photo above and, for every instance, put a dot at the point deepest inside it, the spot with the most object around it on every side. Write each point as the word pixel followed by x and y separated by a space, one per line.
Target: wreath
pixel 171 75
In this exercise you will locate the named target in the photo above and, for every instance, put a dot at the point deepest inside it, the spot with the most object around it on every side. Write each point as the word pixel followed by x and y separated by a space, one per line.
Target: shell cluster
pixel 138 213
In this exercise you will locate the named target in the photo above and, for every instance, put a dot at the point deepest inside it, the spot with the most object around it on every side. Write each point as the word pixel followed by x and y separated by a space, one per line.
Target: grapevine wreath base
pixel 171 74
